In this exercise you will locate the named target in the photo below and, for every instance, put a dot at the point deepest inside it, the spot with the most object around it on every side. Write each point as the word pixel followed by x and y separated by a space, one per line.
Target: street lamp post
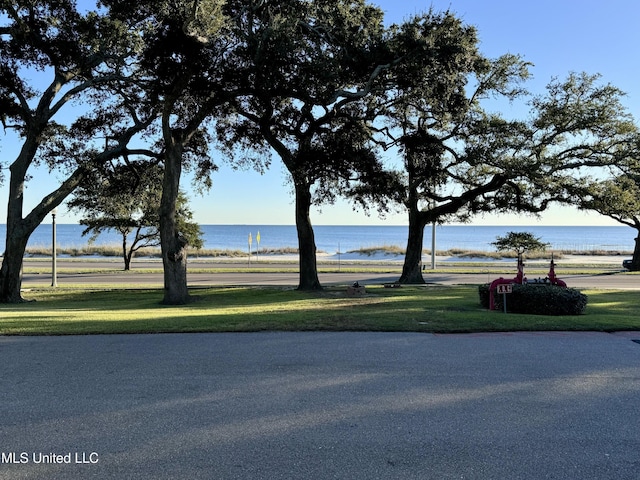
pixel 54 272
pixel 433 246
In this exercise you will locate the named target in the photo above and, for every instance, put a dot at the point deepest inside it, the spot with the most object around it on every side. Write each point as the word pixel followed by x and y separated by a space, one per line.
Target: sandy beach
pixel 426 259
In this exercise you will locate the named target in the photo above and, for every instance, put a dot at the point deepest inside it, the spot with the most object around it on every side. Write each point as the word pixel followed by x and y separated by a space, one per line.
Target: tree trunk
pixel 306 239
pixel 11 270
pixel 412 268
pixel 126 255
pixel 18 230
pixel 172 244
pixel 635 260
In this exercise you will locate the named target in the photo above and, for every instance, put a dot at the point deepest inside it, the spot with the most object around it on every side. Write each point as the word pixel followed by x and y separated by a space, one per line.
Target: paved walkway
pixel 321 406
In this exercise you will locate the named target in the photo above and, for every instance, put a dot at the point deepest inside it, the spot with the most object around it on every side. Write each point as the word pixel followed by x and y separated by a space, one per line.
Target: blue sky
pixel 558 37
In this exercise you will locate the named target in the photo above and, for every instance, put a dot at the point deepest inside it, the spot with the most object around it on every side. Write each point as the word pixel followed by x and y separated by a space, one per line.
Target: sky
pixel 557 37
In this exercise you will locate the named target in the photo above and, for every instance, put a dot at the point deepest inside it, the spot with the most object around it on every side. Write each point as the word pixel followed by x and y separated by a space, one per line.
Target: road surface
pixel 613 279
pixel 314 405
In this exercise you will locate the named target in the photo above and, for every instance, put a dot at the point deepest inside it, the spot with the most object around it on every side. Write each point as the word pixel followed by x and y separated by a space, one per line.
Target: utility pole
pixel 54 270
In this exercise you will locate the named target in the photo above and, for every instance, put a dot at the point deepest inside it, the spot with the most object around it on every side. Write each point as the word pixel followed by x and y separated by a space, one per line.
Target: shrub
pixel 538 299
pixel 483 291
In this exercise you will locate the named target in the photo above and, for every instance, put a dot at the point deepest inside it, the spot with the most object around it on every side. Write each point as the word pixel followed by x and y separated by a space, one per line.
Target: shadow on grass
pixel 419 309
pixel 147 298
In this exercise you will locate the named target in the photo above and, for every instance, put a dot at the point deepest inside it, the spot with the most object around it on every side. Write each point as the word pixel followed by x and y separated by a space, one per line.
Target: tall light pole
pixel 54 272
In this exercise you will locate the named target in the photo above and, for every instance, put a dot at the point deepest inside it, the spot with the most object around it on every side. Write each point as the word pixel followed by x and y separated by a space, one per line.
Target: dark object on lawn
pixel 356 290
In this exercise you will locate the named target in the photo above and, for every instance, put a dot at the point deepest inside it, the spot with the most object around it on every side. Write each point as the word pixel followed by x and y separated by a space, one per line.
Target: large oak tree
pixel 317 70
pixel 70 55
pixel 188 70
pixel 431 110
pixel 460 160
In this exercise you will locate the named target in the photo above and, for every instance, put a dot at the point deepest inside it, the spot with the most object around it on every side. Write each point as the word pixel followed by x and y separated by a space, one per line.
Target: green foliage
pixel 53 55
pixel 483 292
pixel 126 198
pixel 461 160
pixel 520 242
pixel 432 110
pixel 310 64
pixel 538 299
pixel 312 67
pixel 616 197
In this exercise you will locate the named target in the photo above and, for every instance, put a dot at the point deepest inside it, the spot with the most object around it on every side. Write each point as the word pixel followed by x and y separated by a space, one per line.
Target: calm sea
pixel 333 239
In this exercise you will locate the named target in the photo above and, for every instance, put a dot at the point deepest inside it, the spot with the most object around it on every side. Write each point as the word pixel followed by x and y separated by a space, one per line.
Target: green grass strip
pixel 65 311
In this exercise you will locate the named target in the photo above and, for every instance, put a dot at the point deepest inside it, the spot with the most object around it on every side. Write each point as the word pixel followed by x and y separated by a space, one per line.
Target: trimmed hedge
pixel 538 299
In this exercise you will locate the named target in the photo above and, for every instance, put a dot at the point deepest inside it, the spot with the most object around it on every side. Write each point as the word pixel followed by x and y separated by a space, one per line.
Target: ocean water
pixel 344 238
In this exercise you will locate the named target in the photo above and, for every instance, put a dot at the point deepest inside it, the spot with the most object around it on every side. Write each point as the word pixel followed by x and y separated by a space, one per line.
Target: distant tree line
pixel 325 85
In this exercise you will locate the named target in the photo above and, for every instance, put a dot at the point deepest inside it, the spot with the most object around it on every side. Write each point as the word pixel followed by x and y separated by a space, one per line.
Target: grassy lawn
pixel 67 310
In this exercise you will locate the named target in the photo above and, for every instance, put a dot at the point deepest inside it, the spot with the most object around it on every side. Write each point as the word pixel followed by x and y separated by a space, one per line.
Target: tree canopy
pixel 126 198
pixel 465 161
pixel 323 75
pixel 185 67
pixel 323 84
pixel 616 195
pixel 431 114
pixel 80 54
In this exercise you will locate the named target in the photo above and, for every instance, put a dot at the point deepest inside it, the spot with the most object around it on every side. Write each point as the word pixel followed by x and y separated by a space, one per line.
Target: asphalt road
pixel 614 279
pixel 321 406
